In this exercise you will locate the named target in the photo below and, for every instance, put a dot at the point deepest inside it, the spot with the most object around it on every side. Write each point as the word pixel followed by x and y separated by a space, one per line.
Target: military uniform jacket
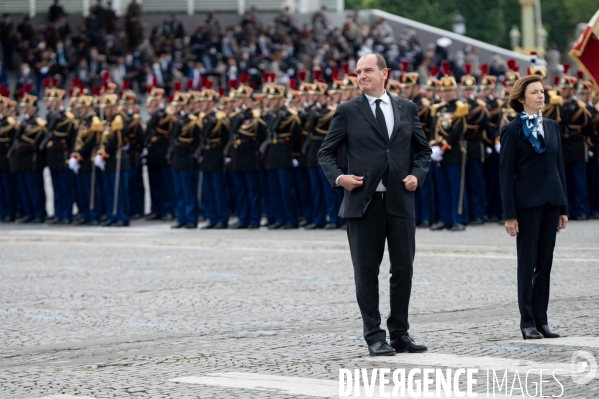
pixel 136 131
pixel 27 156
pixel 553 102
pixel 248 130
pixel 185 142
pixel 8 130
pixel 158 139
pixel 62 132
pixel 424 114
pixel 113 142
pixel 319 126
pixel 477 123
pixel 576 127
pixel 594 139
pixel 284 139
pixel 87 143
pixel 450 126
pixel 490 137
pixel 215 135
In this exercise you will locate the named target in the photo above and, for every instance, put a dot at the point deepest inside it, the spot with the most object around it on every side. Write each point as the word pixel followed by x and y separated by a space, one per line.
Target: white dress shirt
pixel 387 108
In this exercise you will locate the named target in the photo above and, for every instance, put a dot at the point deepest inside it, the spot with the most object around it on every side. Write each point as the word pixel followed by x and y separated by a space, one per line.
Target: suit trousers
pixel 62 183
pixel 475 189
pixel 8 183
pixel 122 205
pixel 425 201
pixel 84 187
pixel 367 236
pixel 576 184
pixel 448 185
pixel 535 242
pixel 186 190
pixel 247 197
pixel 318 188
pixel 214 189
pixel 161 190
pixel 31 197
pixel 303 195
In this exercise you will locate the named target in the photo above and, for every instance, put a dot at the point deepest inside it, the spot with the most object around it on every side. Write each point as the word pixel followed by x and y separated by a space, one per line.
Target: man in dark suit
pixel 388 157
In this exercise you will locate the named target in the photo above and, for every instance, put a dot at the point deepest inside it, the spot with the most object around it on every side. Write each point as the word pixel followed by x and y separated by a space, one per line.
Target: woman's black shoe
pixel 546 332
pixel 530 333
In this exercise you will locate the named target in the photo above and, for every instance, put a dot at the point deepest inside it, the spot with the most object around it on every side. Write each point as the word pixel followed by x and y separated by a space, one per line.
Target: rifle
pixel 313 118
pixel 235 122
pixel 150 130
pixel 205 136
pixel 173 140
pixel 15 142
pixel 48 137
pixel 270 130
pixel 462 176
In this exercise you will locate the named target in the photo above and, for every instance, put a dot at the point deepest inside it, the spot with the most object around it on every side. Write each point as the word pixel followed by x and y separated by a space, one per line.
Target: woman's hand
pixel 562 222
pixel 511 226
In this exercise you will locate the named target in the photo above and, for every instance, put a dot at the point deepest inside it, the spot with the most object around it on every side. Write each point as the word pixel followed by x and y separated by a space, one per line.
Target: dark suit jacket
pixel 527 178
pixel 370 152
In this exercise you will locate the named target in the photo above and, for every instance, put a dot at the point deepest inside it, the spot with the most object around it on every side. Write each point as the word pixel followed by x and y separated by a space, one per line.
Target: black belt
pixel 379 194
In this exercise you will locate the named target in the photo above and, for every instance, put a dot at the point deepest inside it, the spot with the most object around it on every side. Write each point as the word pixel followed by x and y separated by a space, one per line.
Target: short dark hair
pixel 380 61
pixel 519 91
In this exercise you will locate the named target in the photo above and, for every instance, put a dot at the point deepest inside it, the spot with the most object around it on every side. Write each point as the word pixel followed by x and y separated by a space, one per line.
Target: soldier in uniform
pixel 576 127
pixel 59 144
pixel 478 129
pixel 8 183
pixel 449 151
pixel 129 111
pixel 585 93
pixel 247 130
pixel 494 105
pixel 264 104
pixel 553 100
pixel 157 142
pixel 425 197
pixel 283 140
pixel 27 159
pixel 89 138
pixel 433 86
pixel 215 134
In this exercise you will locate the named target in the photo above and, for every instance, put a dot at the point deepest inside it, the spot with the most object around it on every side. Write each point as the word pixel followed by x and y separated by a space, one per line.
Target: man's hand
pixel 350 182
pixel 511 227
pixel 410 182
pixel 562 222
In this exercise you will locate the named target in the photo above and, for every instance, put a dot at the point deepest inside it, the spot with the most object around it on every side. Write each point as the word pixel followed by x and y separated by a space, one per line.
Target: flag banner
pixel 586 50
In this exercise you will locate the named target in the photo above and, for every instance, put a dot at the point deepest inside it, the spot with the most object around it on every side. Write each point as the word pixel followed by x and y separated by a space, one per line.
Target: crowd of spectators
pixel 169 52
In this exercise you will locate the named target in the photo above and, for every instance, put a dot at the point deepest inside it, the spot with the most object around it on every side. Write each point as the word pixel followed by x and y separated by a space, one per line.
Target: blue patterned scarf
pixel 530 129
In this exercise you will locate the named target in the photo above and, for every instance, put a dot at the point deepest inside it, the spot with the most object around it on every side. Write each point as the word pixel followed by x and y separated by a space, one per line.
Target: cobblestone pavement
pixel 95 312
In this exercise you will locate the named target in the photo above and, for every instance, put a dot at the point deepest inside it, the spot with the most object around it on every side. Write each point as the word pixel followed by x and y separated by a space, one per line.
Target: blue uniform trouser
pixel 280 187
pixel 31 197
pixel 8 202
pixel 216 202
pixel 303 196
pixel 136 191
pixel 230 192
pixel 161 190
pixel 448 185
pixel 186 189
pixel 247 197
pixel 492 190
pixel 425 200
pixel 122 206
pixel 475 189
pixel 265 197
pixel 576 183
pixel 593 184
pixel 62 183
pixel 321 205
pixel 84 187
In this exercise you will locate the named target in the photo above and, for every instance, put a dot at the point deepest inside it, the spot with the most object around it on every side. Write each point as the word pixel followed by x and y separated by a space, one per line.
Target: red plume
pixel 75 82
pixel 400 77
pixel 120 94
pixel 154 81
pixel 293 84
pixel 203 81
pixel 405 66
pixel 222 91
pixel 252 85
pixel 177 86
pixel 171 98
pixel 446 70
pixel 105 77
pixel 189 84
pixel 335 73
pixel 345 68
pixel 511 64
pixel 556 80
pixel 533 53
pixel 81 87
pixel 233 84
pixel 46 82
pixel 70 91
pixel 126 85
pixel 273 77
pixel 302 75
pixel 517 68
pixel 209 84
pixel 528 71
pixel 244 78
pixel 27 88
pixel 484 69
pixel 566 68
pixel 434 71
pixel 21 93
pixel 316 74
pixel 149 89
pixel 96 90
pixel 54 82
pixel 580 75
pixel 265 76
pixel 468 69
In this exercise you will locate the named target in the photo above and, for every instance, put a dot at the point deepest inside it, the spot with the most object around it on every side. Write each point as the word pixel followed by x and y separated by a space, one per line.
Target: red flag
pixel 586 50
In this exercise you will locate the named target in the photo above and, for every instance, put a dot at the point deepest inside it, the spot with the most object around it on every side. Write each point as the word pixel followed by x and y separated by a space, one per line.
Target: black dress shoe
pixel 80 222
pixel 167 217
pixel 530 333
pixel 52 220
pixel 120 223
pixel 93 223
pixel 477 222
pixel 64 221
pixel 303 223
pixel 208 226
pixel 8 219
pixel 289 226
pixel 458 227
pixel 581 217
pixel 343 226
pixel 25 220
pixel 405 343
pixel 493 219
pixel 191 226
pixel 177 226
pixel 106 223
pixel 220 226
pixel 274 226
pixel 546 332
pixel 312 226
pixel 135 216
pixel 438 226
pixel 594 215
pixel 331 226
pixel 381 348
pixel 152 216
pixel 37 221
pixel 253 226
pixel 237 226
pixel 425 224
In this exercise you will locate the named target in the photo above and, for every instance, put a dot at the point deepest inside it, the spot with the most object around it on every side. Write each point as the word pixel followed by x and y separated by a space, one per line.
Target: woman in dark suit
pixel 533 194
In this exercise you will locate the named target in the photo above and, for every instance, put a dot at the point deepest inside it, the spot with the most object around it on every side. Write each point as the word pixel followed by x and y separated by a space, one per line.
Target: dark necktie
pixel 380 118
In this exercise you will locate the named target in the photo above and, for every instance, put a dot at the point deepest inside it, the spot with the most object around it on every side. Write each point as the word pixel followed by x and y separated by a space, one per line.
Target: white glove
pixel 591 154
pixel 227 161
pixel 295 163
pixel 99 162
pixel 144 152
pixel 437 154
pixel 74 165
pixel 497 147
pixel 489 151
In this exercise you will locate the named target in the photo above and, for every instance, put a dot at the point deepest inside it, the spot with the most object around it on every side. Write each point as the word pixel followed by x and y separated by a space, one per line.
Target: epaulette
pixel 292 111
pixel 69 115
pixel 500 102
pixel 117 124
pixel 220 115
pixel 425 101
pixel 437 106
pixel 12 121
pixel 554 98
pixel 136 116
pixel 462 109
pixel 481 102
pixel 40 122
pixel 169 110
pixel 192 118
pixel 256 114
pixel 582 104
